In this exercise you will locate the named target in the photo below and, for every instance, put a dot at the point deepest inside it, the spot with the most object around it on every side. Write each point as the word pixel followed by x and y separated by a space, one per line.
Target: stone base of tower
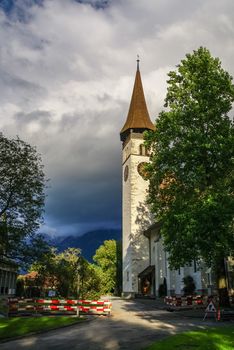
pixel 128 295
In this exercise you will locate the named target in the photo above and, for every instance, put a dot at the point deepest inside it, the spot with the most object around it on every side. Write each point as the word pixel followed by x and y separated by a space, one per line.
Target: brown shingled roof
pixel 138 116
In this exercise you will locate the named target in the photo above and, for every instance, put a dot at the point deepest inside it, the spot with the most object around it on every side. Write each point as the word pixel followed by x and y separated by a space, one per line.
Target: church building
pixel 145 264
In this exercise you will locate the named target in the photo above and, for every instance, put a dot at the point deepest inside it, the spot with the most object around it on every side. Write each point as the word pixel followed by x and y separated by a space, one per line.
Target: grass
pixel 18 326
pixel 220 338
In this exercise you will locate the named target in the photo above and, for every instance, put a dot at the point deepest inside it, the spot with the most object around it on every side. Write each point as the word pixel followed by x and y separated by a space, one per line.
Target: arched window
pixel 144 151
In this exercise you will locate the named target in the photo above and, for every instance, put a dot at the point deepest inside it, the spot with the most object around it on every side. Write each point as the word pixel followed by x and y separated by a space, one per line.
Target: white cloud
pixel 66 80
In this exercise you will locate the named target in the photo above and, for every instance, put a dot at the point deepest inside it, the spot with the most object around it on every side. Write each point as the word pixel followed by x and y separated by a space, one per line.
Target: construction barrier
pixel 206 302
pixel 94 307
pixel 188 301
pixel 192 300
pixel 199 300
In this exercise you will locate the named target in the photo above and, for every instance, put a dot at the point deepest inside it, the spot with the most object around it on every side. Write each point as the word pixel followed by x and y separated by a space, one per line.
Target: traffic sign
pixel 211 309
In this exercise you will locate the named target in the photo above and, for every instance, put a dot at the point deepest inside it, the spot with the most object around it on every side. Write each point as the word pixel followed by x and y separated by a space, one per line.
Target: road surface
pixel 134 324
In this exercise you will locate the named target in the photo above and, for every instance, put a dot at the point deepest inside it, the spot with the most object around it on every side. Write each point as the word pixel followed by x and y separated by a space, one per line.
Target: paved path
pixel 134 324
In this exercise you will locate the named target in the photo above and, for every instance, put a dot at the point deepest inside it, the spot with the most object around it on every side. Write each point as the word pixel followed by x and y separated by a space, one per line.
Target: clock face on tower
pixel 126 171
pixel 141 170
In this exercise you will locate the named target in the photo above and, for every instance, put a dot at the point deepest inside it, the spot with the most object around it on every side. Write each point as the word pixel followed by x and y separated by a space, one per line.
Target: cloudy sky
pixel 67 69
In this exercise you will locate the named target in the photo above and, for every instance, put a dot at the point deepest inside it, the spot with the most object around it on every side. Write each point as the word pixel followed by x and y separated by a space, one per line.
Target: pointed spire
pixel 138 117
pixel 138 60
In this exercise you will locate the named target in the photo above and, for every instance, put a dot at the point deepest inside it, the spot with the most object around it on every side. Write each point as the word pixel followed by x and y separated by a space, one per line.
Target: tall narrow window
pixel 142 150
pixel 165 263
pixel 195 265
pixel 208 279
pixel 127 276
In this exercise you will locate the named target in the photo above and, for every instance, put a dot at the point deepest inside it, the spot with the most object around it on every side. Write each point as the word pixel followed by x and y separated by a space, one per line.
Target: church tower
pixel 135 215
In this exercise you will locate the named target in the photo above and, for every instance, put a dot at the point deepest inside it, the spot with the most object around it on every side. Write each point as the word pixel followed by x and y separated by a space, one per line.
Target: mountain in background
pixel 88 242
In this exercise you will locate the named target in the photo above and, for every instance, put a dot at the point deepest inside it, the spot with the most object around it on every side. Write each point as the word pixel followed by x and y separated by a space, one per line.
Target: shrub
pixel 189 285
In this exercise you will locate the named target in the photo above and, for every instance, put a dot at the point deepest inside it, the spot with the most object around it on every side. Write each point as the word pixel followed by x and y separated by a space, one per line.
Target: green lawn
pixel 220 338
pixel 17 326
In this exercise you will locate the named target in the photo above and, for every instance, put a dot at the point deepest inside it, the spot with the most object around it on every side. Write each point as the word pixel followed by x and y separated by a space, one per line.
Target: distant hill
pixel 88 242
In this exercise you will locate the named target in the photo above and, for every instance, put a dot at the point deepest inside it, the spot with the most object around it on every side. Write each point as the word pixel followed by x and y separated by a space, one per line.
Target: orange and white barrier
pixel 190 300
pixel 98 307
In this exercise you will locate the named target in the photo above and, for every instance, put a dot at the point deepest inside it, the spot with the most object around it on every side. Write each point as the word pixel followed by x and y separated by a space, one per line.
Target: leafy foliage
pixel 59 271
pixel 191 169
pixel 106 259
pixel 22 184
pixel 162 289
pixel 91 281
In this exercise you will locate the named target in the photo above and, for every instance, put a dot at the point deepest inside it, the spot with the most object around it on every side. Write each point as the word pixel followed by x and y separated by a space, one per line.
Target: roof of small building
pixel 147 271
pixel 154 228
pixel 30 275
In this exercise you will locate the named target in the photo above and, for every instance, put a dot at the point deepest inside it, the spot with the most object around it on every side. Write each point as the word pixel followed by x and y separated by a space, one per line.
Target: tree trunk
pixel 222 286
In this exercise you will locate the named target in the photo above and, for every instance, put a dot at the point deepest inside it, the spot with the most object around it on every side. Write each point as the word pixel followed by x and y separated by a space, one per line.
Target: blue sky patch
pixel 9 5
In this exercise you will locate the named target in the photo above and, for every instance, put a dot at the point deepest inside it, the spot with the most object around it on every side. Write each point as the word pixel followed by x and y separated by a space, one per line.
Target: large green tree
pixel 90 286
pixel 69 274
pixel 22 184
pixel 107 258
pixel 59 271
pixel 191 168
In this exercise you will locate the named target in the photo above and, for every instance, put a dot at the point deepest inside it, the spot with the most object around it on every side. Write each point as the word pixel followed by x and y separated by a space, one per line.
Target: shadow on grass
pixel 18 326
pixel 221 338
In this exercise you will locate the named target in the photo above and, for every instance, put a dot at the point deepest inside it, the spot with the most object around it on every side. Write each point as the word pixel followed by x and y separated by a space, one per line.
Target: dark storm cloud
pixel 92 192
pixel 91 201
pixel 83 164
pixel 66 77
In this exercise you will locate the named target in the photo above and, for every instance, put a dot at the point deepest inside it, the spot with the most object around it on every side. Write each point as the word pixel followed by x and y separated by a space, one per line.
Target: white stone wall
pixel 174 278
pixel 135 216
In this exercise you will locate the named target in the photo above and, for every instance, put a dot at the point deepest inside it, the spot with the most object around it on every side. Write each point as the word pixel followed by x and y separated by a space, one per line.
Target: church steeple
pixel 138 118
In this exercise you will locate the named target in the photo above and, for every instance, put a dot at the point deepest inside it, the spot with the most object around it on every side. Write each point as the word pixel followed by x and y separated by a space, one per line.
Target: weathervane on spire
pixel 138 60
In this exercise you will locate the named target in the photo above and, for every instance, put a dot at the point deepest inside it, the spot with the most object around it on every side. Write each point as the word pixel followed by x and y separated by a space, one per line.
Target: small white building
pixel 8 276
pixel 145 262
